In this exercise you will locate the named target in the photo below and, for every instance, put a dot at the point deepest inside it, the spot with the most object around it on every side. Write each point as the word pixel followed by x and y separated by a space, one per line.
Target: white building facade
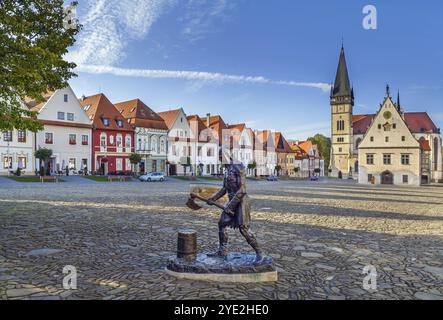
pixel 67 132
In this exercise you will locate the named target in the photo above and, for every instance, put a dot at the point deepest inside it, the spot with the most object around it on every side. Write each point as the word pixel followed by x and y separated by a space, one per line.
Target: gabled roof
pixel 170 116
pixel 199 129
pixel 299 152
pixel 417 122
pixel 140 115
pixel 281 145
pixel 98 107
pixel 35 106
pixel 239 126
pixel 265 137
pixel 218 124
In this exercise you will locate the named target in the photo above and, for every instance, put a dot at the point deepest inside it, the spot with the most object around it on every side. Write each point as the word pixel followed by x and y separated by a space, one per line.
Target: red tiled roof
pixel 417 122
pixel 216 123
pixel 101 108
pixel 170 116
pixel 36 106
pixel 141 115
pixel 199 129
pixel 420 122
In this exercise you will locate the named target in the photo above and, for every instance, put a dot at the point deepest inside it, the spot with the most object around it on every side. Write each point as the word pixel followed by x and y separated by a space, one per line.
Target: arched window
pixel 119 141
pixel 340 125
pixel 128 141
pixel 103 142
pixel 154 144
pixel 162 145
pixel 436 152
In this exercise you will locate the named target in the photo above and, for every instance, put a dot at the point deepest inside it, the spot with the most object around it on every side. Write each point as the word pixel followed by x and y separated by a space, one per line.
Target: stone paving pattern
pixel 120 235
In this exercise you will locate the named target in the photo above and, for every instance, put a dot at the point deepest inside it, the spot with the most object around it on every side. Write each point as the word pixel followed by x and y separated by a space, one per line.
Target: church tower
pixel 342 103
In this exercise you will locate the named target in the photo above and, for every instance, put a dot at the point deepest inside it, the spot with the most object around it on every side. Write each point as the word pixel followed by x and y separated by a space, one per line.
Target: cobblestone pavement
pixel 321 234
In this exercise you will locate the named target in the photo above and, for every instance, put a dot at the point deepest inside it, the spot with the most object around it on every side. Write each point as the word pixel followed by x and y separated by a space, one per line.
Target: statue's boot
pixel 222 249
pixel 252 241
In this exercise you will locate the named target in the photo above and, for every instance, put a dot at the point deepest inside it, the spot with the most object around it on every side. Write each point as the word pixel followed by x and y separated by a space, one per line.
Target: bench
pixel 48 179
pixel 118 178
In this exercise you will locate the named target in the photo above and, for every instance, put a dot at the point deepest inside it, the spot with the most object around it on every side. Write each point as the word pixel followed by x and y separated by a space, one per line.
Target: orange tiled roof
pixel 170 116
pixel 140 114
pixel 98 107
pixel 35 106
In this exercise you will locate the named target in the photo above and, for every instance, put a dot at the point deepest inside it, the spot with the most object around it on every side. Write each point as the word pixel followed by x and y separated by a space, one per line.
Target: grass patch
pixel 183 178
pixel 97 178
pixel 211 178
pixel 30 179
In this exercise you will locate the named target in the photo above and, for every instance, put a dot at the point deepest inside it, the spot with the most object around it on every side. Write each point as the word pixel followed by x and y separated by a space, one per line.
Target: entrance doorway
pixel 387 178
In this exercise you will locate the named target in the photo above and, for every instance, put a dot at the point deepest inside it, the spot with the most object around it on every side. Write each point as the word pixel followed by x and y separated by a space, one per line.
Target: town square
pixel 119 236
pixel 222 151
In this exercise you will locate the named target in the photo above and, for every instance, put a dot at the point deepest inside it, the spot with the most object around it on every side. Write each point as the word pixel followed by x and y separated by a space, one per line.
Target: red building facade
pixel 112 137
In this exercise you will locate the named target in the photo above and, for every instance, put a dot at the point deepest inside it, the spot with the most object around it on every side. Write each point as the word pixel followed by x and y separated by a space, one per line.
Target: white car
pixel 153 176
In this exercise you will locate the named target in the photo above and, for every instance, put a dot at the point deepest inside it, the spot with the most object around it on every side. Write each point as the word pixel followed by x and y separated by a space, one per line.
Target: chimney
pixel 208 119
pixel 83 98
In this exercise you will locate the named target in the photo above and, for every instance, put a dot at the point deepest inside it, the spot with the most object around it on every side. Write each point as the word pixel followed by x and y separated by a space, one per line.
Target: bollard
pixel 187 245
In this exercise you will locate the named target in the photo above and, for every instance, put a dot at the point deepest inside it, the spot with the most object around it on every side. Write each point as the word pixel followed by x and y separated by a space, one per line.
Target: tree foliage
pixel 33 41
pixel 43 154
pixel 324 146
pixel 135 158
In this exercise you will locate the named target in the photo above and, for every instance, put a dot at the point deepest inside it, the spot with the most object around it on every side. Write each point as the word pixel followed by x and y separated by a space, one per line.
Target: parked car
pixel 272 178
pixel 153 176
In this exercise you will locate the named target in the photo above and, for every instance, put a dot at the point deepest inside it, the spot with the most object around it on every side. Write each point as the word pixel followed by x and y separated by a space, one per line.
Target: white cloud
pixel 108 25
pixel 201 76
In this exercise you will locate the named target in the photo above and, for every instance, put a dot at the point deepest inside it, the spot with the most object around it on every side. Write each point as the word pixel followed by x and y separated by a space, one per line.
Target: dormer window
pixel 87 107
pixel 106 122
pixel 120 123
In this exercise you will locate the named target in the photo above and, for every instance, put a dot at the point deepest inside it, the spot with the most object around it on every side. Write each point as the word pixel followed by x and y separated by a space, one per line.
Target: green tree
pixel 34 37
pixel 43 155
pixel 324 147
pixel 135 159
pixel 252 166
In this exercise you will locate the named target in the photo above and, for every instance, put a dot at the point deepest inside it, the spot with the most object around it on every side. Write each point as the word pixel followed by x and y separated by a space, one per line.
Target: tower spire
pixel 398 100
pixel 342 85
pixel 388 91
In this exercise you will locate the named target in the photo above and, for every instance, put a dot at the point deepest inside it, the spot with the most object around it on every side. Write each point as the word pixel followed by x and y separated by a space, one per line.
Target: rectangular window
pixel 7 136
pixel 372 139
pixel 128 165
pixel 70 116
pixel 60 115
pixel 72 164
pixel 369 159
pixel 72 139
pixel 370 177
pixel 174 150
pixel 405 178
pixel 405 159
pixel 386 159
pixel 189 152
pixel 184 151
pixel 85 140
pixel 340 149
pixel 199 151
pixel 7 162
pixel 49 138
pixel 22 136
pixel 119 164
pixel 210 152
pixel 386 139
pixel 403 138
pixel 65 98
pixel 23 161
pixel 341 139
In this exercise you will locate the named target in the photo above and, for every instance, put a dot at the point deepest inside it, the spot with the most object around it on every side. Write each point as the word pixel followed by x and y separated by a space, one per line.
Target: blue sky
pixel 266 63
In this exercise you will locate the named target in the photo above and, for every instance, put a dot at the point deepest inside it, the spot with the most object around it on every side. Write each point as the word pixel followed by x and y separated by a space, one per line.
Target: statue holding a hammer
pixel 237 213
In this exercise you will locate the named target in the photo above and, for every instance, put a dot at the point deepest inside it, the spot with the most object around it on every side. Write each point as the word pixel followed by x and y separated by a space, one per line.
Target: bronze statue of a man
pixel 237 213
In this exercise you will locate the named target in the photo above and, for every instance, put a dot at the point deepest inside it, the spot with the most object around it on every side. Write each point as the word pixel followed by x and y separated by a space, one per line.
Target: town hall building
pixel 389 147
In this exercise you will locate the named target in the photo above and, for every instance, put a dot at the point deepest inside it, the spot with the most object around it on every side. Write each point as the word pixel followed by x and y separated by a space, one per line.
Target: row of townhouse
pixel 94 135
